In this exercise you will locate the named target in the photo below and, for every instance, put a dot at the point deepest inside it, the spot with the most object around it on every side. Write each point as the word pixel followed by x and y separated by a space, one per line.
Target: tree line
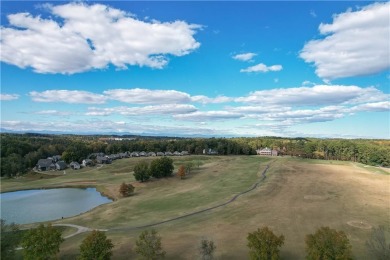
pixel 44 242
pixel 21 152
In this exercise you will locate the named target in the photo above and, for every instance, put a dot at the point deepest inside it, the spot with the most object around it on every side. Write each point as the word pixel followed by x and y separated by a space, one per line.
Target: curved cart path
pixel 81 229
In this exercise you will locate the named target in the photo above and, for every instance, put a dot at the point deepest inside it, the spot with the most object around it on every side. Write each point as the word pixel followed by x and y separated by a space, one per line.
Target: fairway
pixel 295 199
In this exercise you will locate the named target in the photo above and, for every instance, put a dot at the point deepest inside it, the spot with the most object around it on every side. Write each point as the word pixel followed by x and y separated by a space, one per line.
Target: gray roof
pixel 62 164
pixel 44 162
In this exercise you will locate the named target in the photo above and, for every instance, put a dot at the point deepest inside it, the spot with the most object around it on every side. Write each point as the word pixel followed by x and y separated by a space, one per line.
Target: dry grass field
pixel 297 197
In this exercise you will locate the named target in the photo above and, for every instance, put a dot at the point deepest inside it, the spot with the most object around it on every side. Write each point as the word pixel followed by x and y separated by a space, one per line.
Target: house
pixel 143 154
pixel 60 165
pixel 87 162
pixel 56 158
pixel 151 154
pixel 134 154
pixel 168 154
pixel 75 165
pixel 267 152
pixel 45 165
pixel 185 153
pixel 124 155
pixel 160 154
pixel 210 151
pixel 103 160
pixel 176 153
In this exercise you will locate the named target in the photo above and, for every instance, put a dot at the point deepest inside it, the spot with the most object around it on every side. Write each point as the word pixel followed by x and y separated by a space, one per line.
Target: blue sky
pixel 318 69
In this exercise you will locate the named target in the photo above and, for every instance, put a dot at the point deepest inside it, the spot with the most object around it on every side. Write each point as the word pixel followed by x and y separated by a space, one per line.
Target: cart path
pixel 81 229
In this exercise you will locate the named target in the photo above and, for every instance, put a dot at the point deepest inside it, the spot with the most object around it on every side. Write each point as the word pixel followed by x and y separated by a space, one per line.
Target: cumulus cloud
pixel 244 56
pixel 168 109
pixel 7 97
pixel 68 96
pixel 147 96
pixel 209 116
pixel 80 37
pixel 314 96
pixel 262 68
pixel 355 44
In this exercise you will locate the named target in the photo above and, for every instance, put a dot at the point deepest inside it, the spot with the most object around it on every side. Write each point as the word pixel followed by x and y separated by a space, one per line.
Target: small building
pixel 87 162
pixel 134 154
pixel 152 154
pixel 124 155
pixel 184 153
pixel 45 165
pixel 160 154
pixel 75 165
pixel 56 158
pixel 143 154
pixel 103 160
pixel 60 165
pixel 267 152
pixel 168 154
pixel 210 151
pixel 176 153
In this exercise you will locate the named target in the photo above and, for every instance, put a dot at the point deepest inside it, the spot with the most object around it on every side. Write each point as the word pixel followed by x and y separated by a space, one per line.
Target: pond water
pixel 31 206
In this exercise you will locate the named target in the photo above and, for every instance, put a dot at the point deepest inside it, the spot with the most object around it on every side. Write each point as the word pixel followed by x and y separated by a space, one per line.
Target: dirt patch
pixel 316 197
pixel 359 224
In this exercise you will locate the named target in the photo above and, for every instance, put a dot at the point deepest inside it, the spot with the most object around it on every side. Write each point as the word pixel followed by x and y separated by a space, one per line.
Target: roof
pixel 62 164
pixel 75 163
pixel 44 162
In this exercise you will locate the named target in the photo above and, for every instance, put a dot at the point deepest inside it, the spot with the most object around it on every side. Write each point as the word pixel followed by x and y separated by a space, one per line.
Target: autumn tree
pixel 41 242
pixel 141 171
pixel 148 245
pixel 328 243
pixel 181 172
pixel 206 249
pixel 126 189
pixel 96 246
pixel 10 238
pixel 264 244
pixel 378 245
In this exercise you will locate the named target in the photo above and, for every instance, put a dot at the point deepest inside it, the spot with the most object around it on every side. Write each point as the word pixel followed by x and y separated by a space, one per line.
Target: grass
pixel 296 198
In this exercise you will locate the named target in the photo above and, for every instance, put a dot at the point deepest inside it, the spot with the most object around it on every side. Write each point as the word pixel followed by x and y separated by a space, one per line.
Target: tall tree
pixel 148 245
pixel 328 243
pixel 206 249
pixel 141 171
pixel 162 167
pixel 264 244
pixel 189 165
pixel 10 239
pixel 41 243
pixel 96 246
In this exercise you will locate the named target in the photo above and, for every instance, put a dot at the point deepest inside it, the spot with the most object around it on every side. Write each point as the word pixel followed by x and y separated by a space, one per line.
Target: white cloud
pixel 372 107
pixel 206 100
pixel 262 68
pixel 209 116
pixel 68 96
pixel 53 113
pixel 244 56
pixel 81 37
pixel 147 96
pixel 7 97
pixel 356 44
pixel 167 109
pixel 314 96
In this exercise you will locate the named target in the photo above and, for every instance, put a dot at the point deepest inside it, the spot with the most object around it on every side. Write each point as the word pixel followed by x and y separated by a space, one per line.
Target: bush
pixel 126 189
pixel 162 167
pixel 148 245
pixel 206 249
pixel 141 171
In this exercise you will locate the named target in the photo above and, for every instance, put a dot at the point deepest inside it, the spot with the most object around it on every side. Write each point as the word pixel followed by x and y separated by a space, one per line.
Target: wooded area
pixel 21 152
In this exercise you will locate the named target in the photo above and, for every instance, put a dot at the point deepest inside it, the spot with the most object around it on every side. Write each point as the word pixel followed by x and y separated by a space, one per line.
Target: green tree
pixel 41 242
pixel 264 244
pixel 148 245
pixel 10 238
pixel 328 243
pixel 181 172
pixel 126 189
pixel 141 171
pixel 206 249
pixel 378 245
pixel 162 167
pixel 96 246
pixel 189 166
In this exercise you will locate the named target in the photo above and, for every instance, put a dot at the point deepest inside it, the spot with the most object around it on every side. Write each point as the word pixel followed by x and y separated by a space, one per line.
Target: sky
pixel 224 69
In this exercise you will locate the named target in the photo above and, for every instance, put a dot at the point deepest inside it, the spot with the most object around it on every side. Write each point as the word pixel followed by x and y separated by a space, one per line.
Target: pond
pixel 31 206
